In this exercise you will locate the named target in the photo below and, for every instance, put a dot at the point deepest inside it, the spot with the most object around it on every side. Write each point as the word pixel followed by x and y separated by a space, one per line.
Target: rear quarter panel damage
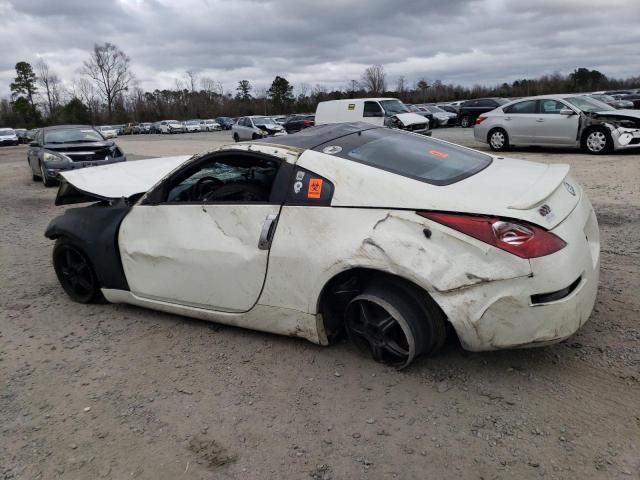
pixel 392 241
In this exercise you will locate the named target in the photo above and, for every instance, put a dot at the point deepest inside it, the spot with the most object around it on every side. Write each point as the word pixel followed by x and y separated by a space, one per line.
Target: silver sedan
pixel 559 121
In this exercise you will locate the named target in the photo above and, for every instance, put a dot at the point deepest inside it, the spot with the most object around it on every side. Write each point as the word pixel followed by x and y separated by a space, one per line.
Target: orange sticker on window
pixel 438 153
pixel 315 188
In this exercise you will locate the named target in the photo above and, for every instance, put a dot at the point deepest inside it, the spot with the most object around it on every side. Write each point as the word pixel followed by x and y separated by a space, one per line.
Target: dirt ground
pixel 116 392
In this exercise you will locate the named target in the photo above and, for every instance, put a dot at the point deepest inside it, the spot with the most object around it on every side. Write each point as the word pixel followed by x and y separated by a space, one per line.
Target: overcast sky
pixel 326 42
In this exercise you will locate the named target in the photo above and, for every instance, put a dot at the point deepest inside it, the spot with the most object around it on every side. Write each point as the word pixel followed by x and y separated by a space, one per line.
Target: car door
pixel 244 128
pixel 202 237
pixel 552 127
pixel 520 121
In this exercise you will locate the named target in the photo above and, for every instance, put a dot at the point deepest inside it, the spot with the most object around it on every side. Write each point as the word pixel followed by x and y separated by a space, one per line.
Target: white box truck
pixel 378 111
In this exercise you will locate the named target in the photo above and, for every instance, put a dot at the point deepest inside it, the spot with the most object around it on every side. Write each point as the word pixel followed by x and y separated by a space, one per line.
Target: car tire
pixel 236 137
pixel 46 181
pixel 255 136
pixel 395 323
pixel 75 273
pixel 498 140
pixel 597 141
pixel 465 121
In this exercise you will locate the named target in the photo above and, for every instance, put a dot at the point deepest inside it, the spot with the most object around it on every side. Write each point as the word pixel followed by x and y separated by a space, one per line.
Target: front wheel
pixel 597 141
pixel 46 181
pixel 75 273
pixel 465 121
pixel 394 324
pixel 498 140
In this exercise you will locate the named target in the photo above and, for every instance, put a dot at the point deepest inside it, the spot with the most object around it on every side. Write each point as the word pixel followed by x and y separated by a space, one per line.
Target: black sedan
pixel 225 123
pixel 296 123
pixel 68 147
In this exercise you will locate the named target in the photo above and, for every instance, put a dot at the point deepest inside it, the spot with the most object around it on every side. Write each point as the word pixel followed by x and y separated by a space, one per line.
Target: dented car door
pixel 207 243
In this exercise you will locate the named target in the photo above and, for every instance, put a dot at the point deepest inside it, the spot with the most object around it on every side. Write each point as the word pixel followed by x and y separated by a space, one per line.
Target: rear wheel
pixel 394 324
pixel 236 137
pixel 465 121
pixel 597 141
pixel 498 140
pixel 75 273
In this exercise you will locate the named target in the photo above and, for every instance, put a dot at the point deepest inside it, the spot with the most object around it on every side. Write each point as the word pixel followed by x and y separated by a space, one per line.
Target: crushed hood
pixel 410 118
pixel 117 180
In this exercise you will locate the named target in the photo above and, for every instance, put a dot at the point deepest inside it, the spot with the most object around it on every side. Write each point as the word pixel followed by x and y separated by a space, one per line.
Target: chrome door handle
pixel 266 234
pixel 540 120
pixel 507 118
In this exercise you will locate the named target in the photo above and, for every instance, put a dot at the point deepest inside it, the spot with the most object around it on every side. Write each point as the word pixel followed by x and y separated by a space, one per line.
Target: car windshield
pixel 603 98
pixel 72 135
pixel 414 156
pixel 588 105
pixel 393 107
pixel 173 122
pixel 105 127
pixel 263 121
pixel 6 131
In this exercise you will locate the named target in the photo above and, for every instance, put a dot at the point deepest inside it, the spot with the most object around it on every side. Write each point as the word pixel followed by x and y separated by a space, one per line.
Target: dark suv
pixel 472 109
pixel 296 123
pixel 67 147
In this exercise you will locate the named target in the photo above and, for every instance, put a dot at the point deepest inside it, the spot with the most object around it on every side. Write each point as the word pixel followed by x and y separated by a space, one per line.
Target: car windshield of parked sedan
pixel 603 98
pixel 72 135
pixel 393 107
pixel 6 131
pixel 413 156
pixel 589 105
pixel 264 121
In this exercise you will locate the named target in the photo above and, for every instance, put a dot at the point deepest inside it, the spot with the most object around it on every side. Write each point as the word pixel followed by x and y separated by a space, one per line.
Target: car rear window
pixel 415 156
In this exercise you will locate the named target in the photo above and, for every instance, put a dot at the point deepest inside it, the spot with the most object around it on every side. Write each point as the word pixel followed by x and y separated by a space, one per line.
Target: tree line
pixel 107 92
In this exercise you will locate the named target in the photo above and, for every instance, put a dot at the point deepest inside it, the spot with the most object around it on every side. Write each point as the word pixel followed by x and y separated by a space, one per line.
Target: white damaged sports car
pixel 396 238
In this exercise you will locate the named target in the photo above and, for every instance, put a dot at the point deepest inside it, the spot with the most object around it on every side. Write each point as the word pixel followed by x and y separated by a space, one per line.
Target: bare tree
pixel 192 80
pixel 108 67
pixel 50 81
pixel 401 87
pixel 86 92
pixel 374 79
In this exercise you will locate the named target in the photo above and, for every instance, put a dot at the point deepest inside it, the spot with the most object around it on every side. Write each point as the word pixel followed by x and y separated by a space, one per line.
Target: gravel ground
pixel 113 391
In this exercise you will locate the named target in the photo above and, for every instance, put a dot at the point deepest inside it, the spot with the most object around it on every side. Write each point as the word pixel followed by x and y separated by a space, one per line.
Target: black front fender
pixel 94 229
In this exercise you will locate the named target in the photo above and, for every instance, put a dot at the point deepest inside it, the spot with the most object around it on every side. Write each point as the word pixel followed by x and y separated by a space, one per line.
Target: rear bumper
pixel 546 307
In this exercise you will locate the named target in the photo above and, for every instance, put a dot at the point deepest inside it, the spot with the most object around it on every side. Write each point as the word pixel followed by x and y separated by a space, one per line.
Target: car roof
pixel 312 137
pixel 65 127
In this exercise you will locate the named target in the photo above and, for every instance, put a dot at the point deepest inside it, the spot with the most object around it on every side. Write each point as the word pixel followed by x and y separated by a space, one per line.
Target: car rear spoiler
pixel 543 188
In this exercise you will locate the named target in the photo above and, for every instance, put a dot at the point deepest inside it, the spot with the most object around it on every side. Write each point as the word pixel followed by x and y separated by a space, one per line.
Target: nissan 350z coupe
pixel 386 235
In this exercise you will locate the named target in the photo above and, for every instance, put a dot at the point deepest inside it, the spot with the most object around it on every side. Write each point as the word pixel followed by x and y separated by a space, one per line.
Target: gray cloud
pixel 329 42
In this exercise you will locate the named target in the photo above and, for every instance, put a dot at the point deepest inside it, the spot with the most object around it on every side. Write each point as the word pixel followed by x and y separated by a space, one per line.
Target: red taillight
pixel 308 122
pixel 519 238
pixel 480 119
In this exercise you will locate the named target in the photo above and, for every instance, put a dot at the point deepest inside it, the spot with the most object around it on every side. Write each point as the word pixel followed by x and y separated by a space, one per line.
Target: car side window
pixel 486 103
pixel 551 106
pixel 372 109
pixel 528 106
pixel 225 179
